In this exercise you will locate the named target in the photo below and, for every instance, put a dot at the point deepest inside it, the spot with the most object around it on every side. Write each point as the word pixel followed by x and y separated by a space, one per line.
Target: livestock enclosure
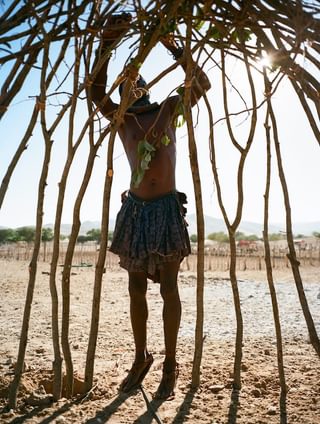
pixel 216 255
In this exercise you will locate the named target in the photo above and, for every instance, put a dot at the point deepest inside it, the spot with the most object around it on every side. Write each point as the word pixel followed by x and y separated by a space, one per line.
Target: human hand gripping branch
pixel 115 29
pixel 200 82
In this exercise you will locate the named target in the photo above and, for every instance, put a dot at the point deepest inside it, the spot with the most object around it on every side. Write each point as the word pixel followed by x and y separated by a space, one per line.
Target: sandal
pixel 167 384
pixel 136 375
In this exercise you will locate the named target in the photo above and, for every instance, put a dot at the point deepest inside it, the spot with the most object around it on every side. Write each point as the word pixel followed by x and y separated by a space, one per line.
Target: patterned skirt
pixel 149 234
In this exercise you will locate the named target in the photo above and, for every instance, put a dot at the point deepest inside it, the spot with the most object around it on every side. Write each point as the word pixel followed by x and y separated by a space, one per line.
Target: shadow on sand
pixel 105 414
pixel 233 407
pixel 150 415
pixel 36 411
pixel 153 405
pixel 283 407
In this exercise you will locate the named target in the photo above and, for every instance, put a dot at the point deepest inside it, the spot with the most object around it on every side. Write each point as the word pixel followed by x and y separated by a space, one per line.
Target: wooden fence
pixel 216 258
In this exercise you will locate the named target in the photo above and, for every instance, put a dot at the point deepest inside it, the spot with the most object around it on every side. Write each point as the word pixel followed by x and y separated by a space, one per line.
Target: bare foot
pixel 136 375
pixel 167 384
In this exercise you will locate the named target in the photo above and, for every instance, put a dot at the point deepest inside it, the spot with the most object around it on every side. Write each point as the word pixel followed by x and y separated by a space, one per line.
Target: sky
pixel 301 154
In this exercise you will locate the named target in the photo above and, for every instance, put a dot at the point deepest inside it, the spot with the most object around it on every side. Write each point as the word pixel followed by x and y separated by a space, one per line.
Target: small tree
pixel 275 237
pixel 240 236
pixel 194 238
pixel 219 236
pixel 26 234
pixel 46 235
pixel 94 235
pixel 8 235
pixel 252 237
pixel 82 239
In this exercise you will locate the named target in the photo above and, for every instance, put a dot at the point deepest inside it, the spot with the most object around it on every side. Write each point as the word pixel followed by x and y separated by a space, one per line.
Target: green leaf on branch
pixel 144 147
pixel 199 25
pixel 145 162
pixel 180 91
pixel 199 22
pixel 180 112
pixel 135 64
pixel 137 177
pixel 165 140
pixel 169 27
pixel 214 33
pixel 241 35
pixel 145 154
pixel 180 121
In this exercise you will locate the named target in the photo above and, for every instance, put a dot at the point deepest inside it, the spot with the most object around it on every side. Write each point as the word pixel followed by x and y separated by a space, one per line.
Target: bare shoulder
pixel 170 104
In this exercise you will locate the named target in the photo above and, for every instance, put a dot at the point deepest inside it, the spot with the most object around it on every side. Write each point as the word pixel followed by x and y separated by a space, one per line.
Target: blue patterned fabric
pixel 149 234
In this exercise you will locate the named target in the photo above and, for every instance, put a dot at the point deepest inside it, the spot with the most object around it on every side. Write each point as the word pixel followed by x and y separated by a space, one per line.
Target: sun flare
pixel 265 61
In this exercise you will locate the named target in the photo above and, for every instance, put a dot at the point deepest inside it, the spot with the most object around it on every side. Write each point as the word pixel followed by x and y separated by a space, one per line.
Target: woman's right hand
pixel 117 25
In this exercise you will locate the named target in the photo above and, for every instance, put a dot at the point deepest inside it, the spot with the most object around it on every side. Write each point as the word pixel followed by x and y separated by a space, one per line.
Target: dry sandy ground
pixel 258 400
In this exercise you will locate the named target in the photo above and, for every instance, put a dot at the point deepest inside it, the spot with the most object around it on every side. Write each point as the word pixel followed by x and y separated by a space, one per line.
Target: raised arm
pixel 200 82
pixel 116 27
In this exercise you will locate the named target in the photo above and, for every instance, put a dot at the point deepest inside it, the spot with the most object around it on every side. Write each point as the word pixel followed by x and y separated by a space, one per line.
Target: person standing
pixel 150 233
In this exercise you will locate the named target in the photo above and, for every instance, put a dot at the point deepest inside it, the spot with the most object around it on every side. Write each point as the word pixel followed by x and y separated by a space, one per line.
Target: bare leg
pixel 171 322
pixel 139 316
pixel 139 312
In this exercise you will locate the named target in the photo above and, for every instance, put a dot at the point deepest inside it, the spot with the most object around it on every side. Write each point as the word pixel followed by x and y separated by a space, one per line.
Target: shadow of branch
pixel 184 409
pixel 283 407
pixel 151 413
pixel 233 407
pixel 105 414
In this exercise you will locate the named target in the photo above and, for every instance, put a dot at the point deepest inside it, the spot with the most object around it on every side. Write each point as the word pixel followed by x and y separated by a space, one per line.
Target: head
pixel 139 92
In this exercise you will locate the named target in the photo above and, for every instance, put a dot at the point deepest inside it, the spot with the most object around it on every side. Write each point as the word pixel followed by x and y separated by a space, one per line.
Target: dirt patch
pixel 214 401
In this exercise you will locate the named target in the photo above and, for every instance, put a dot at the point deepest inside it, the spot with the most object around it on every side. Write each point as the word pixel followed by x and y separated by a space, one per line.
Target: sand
pixel 258 399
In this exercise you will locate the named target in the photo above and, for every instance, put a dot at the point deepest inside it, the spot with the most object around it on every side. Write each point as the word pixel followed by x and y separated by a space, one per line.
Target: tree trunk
pixel 314 339
pixel 274 301
pixel 37 244
pixel 200 220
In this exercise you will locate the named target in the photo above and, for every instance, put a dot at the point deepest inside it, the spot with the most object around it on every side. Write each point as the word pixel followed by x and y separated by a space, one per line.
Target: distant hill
pixel 215 225
pixel 212 225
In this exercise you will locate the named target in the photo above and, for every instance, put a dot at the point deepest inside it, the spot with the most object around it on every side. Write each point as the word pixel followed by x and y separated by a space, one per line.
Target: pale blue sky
pixel 301 155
